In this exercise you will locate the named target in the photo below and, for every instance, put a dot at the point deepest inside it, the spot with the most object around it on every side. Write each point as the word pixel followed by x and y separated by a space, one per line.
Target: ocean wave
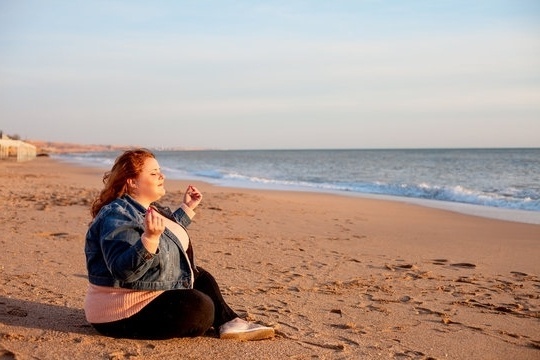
pixel 231 169
pixel 507 198
pixel 87 159
pixel 212 174
pixel 459 194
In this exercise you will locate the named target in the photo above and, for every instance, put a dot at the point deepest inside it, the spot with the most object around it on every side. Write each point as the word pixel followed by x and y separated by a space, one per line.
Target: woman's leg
pixel 226 322
pixel 174 313
pixel 207 284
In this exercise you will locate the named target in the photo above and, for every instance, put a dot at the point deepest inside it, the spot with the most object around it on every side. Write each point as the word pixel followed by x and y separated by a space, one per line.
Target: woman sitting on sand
pixel 143 279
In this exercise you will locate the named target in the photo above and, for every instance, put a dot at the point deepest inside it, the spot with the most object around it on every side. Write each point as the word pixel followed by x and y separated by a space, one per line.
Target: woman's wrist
pixel 189 211
pixel 151 243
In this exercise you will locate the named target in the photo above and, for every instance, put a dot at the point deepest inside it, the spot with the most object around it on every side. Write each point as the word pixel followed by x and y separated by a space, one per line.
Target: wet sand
pixel 338 277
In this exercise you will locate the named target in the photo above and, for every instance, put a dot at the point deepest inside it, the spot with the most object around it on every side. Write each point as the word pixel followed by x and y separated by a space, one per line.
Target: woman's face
pixel 148 186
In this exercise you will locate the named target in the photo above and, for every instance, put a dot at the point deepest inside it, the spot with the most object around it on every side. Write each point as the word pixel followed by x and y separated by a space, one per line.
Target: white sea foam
pixel 499 183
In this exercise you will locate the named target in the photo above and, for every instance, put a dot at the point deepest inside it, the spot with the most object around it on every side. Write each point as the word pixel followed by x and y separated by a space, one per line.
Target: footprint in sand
pixel 401 267
pixel 17 312
pixel 405 299
pixel 7 355
pixel 464 265
pixel 440 261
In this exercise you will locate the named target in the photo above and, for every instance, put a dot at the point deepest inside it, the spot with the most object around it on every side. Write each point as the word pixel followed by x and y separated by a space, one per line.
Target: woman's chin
pixel 159 194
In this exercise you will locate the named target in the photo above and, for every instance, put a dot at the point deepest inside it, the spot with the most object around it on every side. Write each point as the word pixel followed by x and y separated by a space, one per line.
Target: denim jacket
pixel 116 257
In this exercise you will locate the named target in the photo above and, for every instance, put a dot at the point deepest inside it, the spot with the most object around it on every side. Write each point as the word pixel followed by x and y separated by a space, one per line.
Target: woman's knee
pixel 205 305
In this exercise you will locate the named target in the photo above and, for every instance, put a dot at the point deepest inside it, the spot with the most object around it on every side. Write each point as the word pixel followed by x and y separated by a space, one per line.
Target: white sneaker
pixel 240 329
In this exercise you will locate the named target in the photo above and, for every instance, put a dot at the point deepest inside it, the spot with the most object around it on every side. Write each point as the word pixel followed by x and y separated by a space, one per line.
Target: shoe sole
pixel 259 334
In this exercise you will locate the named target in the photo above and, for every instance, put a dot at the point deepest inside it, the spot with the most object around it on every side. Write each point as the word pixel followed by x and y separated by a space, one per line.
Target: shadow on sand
pixel 29 314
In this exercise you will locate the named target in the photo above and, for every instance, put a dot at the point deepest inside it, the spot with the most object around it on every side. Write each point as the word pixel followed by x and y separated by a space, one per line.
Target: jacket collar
pixel 133 202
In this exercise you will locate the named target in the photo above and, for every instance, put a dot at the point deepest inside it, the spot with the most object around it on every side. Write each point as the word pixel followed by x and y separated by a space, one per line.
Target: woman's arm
pixel 192 199
pixel 123 250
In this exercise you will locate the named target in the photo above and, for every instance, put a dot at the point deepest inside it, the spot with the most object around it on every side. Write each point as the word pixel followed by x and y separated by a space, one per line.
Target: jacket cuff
pixel 189 212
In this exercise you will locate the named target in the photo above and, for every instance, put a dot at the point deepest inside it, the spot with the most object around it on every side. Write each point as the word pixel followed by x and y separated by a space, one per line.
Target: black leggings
pixel 175 313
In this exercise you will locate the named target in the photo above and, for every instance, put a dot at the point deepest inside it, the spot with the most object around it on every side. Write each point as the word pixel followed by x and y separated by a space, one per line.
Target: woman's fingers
pixel 192 197
pixel 153 222
pixel 193 192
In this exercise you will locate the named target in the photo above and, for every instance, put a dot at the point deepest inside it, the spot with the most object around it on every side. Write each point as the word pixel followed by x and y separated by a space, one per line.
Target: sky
pixel 272 74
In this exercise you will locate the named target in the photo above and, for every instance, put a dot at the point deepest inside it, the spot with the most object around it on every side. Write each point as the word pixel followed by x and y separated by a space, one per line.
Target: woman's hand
pixel 153 225
pixel 192 197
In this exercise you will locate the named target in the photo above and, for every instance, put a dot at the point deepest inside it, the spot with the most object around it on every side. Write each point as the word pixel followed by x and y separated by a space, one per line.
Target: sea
pixel 494 183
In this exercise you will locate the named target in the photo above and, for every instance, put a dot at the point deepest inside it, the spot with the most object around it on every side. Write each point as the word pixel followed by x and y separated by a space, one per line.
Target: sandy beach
pixel 338 277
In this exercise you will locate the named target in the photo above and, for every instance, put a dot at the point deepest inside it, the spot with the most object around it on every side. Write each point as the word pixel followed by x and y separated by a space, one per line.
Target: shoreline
pixel 336 276
pixel 489 212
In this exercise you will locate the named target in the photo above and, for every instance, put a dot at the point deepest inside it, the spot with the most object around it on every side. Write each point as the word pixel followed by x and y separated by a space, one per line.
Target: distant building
pixel 16 149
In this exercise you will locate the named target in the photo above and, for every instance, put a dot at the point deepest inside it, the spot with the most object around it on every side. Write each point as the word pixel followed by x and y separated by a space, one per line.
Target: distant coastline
pixel 52 147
